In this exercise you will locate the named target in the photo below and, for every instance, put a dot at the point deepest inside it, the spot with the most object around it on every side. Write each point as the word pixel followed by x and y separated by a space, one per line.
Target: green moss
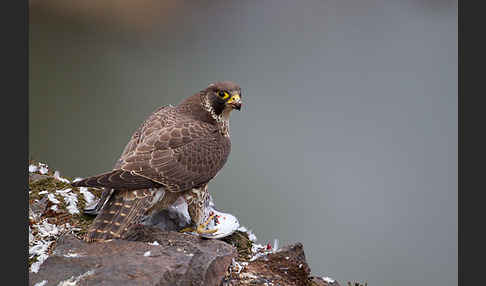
pixel 49 184
pixel 243 244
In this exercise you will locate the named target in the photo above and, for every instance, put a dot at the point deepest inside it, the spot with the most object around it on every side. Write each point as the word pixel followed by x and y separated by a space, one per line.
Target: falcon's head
pixel 223 97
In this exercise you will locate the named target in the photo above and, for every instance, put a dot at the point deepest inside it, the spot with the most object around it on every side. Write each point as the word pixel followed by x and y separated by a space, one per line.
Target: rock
pixel 38 207
pixel 318 281
pixel 176 259
pixel 58 256
pixel 286 266
pixel 33 177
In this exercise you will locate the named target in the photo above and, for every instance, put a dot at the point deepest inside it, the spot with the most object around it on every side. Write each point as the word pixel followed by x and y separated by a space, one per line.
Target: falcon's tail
pixel 117 179
pixel 123 209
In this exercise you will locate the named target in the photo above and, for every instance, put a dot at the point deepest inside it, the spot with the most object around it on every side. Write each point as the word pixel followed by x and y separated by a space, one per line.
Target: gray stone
pixel 179 259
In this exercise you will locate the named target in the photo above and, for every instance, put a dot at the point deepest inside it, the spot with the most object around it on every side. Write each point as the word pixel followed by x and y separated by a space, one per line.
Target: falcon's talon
pixel 187 229
pixel 210 218
pixel 200 230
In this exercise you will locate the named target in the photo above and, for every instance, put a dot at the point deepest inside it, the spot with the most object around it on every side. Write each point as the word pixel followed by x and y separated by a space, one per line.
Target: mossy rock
pixel 41 185
pixel 243 244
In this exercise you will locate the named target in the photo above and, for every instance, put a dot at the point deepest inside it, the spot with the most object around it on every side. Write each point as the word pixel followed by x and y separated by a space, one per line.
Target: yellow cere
pixel 226 95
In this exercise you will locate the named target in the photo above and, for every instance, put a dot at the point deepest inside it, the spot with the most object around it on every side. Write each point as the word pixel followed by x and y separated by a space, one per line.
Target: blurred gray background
pixel 348 138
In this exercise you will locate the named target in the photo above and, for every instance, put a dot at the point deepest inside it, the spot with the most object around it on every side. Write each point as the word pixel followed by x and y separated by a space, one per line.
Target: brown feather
pixel 118 179
pixel 177 149
pixel 121 211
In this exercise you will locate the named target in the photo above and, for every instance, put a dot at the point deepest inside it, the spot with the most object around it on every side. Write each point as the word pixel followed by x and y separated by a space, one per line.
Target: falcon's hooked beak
pixel 235 102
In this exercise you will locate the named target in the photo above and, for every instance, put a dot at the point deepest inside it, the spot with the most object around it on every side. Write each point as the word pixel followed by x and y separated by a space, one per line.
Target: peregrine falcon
pixel 174 153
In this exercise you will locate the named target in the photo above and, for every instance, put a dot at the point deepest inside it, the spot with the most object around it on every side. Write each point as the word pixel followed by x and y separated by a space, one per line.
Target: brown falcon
pixel 174 153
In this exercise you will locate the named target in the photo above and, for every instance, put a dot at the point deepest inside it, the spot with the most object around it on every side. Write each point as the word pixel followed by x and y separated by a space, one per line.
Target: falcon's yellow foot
pixel 200 229
pixel 187 229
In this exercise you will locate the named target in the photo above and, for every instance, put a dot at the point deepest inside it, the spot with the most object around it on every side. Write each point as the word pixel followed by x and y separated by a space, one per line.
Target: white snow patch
pixel 43 170
pixel 63 192
pixel 328 279
pixel 242 229
pixel 72 255
pixel 57 176
pixel 40 249
pixel 43 192
pixel 42 283
pixel 46 229
pixel 34 267
pixel 32 168
pixel 53 199
pixel 154 243
pixel 54 208
pixel 73 281
pixel 71 200
pixel 39 244
pixel 77 179
pixel 88 196
pixel 72 204
pixel 147 253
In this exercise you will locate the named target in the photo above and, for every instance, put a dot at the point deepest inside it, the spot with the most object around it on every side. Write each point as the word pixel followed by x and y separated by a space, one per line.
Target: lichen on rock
pixel 55 208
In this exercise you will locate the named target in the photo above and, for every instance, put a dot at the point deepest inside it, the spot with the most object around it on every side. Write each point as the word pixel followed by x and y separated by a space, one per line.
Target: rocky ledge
pixel 150 256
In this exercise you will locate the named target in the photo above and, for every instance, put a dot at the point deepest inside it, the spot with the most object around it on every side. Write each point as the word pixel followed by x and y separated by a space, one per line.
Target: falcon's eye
pixel 223 94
